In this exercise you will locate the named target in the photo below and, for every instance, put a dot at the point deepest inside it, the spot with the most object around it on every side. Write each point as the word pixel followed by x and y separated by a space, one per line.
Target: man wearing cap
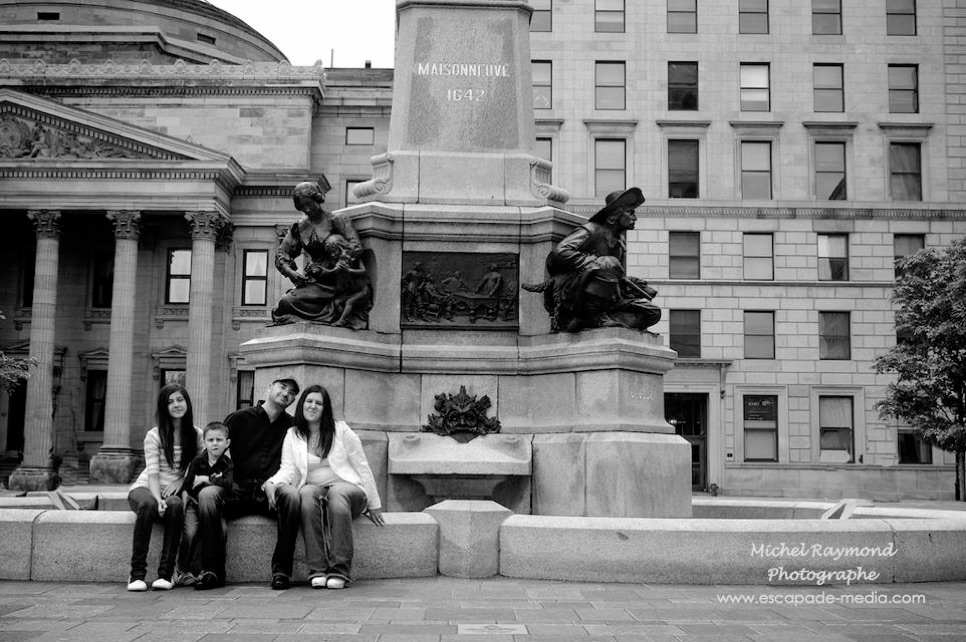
pixel 588 287
pixel 256 436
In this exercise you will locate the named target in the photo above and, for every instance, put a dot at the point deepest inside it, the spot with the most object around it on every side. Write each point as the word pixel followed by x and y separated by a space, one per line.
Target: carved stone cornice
pixel 205 226
pixel 778 212
pixel 255 71
pixel 46 223
pixel 127 224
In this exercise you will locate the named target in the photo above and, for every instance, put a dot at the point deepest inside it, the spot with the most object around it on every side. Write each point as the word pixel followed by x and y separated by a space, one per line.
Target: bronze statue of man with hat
pixel 588 285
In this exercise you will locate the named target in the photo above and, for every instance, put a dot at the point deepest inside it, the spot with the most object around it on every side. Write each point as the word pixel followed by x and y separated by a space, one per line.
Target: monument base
pixel 33 478
pixel 588 406
pixel 115 465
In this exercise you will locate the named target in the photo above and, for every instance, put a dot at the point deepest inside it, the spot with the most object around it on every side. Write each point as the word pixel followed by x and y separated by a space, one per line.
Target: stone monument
pixel 457 215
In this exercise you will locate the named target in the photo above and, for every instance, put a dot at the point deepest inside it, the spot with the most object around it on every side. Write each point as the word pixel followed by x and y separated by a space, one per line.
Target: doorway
pixel 688 413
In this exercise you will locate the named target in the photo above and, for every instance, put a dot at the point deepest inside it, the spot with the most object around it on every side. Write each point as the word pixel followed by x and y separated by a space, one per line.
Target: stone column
pixel 117 462
pixel 35 472
pixel 205 228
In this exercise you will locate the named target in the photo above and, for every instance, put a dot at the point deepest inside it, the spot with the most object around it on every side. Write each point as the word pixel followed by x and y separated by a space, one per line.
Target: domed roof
pixel 160 31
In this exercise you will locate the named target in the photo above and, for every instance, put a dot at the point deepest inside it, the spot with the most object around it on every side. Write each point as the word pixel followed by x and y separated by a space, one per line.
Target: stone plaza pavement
pixel 443 609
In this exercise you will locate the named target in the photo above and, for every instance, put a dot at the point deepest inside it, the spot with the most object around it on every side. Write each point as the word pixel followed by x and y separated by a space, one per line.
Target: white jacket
pixel 346 458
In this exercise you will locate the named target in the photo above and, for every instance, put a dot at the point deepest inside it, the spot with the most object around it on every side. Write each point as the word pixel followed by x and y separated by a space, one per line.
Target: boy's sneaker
pixel 208 580
pixel 335 583
pixel 185 578
pixel 319 582
pixel 137 585
pixel 162 584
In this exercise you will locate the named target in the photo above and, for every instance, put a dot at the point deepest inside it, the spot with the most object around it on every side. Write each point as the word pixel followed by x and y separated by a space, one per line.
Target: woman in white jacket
pixel 323 463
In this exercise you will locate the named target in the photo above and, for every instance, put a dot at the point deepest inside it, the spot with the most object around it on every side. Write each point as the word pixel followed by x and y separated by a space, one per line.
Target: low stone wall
pixel 734 551
pixel 725 544
pixel 95 546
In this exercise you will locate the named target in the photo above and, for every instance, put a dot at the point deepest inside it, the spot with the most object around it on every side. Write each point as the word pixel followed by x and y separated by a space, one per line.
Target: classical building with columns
pixel 147 156
pixel 789 151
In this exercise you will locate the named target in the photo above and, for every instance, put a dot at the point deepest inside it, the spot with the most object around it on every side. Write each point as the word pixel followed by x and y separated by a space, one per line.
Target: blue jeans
pixel 206 528
pixel 327 514
pixel 145 509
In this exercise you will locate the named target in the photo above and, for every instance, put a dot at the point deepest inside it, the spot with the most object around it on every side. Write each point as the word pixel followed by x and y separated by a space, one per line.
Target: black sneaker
pixel 280 583
pixel 208 580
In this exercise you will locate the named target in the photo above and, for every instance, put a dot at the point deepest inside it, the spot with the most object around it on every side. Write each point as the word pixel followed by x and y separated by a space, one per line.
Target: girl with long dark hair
pixel 168 449
pixel 324 465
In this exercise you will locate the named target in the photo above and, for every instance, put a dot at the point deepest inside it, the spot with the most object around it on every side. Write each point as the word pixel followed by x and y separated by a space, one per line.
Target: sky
pixel 346 32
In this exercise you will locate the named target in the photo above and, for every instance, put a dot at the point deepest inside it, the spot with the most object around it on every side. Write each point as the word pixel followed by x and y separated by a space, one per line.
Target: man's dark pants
pixel 205 526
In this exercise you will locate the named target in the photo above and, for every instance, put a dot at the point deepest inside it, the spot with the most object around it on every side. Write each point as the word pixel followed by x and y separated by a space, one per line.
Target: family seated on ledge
pixel 309 473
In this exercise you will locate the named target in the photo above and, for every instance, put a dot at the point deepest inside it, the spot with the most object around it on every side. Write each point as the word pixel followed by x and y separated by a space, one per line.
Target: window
pixel 205 38
pixel 826 17
pixel 684 255
pixel 543 148
pixel 245 389
pixel 828 92
pixel 542 17
pixel 682 16
pixel 904 89
pixel 542 85
pixel 172 375
pixel 255 279
pixel 760 423
pixel 609 85
pixel 905 171
pixel 609 16
pixel 833 336
pixel 360 136
pixel 901 17
pixel 833 257
pixel 685 332
pixel 610 165
pixel 759 335
pixel 830 171
pixel 835 430
pixel 759 256
pixel 178 277
pixel 95 400
pixel 755 170
pixel 682 86
pixel 752 16
pixel 912 448
pixel 48 15
pixel 102 280
pixel 905 244
pixel 682 168
pixel 350 195
pixel 755 94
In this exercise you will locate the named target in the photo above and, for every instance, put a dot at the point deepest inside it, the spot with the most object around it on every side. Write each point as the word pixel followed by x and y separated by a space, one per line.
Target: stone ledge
pixel 712 551
pixel 95 546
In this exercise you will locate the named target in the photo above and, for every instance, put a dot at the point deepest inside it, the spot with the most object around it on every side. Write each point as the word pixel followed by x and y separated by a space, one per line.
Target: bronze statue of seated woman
pixel 334 288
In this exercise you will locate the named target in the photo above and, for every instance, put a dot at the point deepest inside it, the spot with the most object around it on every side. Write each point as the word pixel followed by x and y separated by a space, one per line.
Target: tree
pixel 930 356
pixel 13 370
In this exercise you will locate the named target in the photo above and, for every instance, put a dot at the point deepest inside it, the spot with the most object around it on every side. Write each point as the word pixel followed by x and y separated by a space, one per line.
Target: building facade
pixel 789 152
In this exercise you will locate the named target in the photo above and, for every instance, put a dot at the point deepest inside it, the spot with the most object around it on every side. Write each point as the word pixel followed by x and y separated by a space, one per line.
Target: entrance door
pixel 688 413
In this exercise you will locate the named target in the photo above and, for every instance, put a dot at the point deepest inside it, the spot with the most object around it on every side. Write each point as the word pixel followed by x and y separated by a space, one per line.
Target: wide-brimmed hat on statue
pixel 615 200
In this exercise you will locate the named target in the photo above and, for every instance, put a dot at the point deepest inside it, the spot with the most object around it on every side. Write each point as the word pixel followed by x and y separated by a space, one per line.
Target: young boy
pixel 212 468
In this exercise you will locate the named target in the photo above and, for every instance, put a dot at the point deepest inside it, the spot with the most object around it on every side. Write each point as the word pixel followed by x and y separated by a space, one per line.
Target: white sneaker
pixel 162 584
pixel 318 582
pixel 335 583
pixel 137 585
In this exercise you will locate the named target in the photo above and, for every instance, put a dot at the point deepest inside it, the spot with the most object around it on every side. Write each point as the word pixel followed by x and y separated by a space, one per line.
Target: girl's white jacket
pixel 346 458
